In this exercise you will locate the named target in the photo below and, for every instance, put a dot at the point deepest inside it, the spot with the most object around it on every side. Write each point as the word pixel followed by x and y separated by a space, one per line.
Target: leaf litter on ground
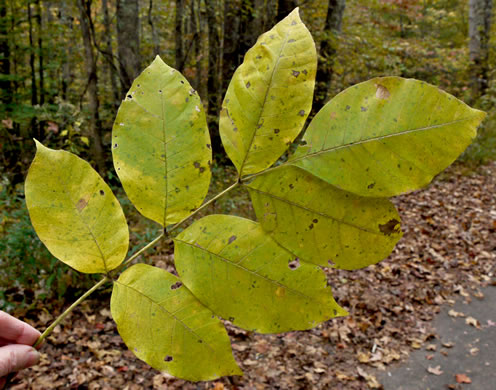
pixel 448 248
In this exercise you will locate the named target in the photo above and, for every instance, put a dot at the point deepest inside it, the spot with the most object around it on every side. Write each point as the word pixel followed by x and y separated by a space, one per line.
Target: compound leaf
pixel 270 96
pixel 74 212
pixel 161 146
pixel 386 136
pixel 234 268
pixel 165 326
pixel 322 224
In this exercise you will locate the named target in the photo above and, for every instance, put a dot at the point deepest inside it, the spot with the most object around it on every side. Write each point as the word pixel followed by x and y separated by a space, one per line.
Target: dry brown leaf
pixel 431 347
pixel 453 313
pixel 435 370
pixel 462 378
pixel 472 321
pixel 363 357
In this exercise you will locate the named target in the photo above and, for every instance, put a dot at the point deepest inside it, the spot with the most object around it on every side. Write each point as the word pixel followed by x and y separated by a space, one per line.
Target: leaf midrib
pixel 314 211
pixel 264 101
pixel 226 260
pixel 378 138
pixel 168 313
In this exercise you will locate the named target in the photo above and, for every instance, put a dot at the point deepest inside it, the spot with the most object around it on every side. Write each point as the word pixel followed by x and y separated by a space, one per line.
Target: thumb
pixel 15 357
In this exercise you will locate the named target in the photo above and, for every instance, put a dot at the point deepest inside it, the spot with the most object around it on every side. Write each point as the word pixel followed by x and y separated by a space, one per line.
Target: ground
pixel 448 253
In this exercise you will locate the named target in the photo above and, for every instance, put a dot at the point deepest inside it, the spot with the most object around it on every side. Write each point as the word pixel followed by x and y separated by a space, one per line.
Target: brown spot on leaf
pixel 102 192
pixel 196 164
pixel 276 131
pixel 176 285
pixel 168 358
pixel 248 84
pixel 347 108
pixel 295 73
pixel 291 41
pixel 301 113
pixel 382 92
pixel 363 109
pixel 390 227
pixel 231 239
pixel 371 185
pixel 81 204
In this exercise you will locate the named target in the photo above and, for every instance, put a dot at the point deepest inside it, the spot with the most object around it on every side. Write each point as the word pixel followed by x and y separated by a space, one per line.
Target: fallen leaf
pixel 448 344
pixel 363 357
pixel 431 347
pixel 472 321
pixel 435 370
pixel 462 378
pixel 453 313
pixel 474 351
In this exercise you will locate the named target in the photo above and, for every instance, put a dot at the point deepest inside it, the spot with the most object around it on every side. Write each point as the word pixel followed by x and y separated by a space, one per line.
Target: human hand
pixel 16 351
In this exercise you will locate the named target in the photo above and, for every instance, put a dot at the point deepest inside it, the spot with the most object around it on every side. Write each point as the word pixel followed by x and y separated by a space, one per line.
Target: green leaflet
pixel 386 136
pixel 269 96
pixel 234 268
pixel 322 224
pixel 166 326
pixel 161 146
pixel 74 212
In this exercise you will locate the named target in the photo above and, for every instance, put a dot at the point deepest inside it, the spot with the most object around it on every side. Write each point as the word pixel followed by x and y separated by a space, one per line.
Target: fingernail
pixel 33 357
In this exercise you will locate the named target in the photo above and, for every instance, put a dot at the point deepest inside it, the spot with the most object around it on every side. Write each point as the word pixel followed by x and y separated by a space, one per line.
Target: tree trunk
pixel 41 124
pixel 67 21
pixel 328 49
pixel 110 55
pixel 232 38
pixel 270 14
pixel 128 41
pixel 179 35
pixel 34 88
pixel 196 82
pixel 480 12
pixel 213 79
pixel 92 86
pixel 251 22
pixel 156 45
pixel 5 83
pixel 285 7
pixel 202 64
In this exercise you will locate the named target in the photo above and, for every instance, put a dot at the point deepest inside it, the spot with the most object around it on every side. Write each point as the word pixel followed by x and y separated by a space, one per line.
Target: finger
pixel 15 357
pixel 16 331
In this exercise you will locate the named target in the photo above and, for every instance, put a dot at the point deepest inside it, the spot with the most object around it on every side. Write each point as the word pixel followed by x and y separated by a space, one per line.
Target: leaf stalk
pixel 61 317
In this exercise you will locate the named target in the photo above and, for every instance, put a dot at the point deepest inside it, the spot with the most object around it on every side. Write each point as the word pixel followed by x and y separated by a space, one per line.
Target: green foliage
pixel 238 271
pixel 344 230
pixel 270 96
pixel 160 134
pixel 380 118
pixel 71 209
pixel 167 327
pixel 326 205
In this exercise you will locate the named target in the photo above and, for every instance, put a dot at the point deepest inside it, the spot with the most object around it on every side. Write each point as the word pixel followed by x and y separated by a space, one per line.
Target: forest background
pixel 65 66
